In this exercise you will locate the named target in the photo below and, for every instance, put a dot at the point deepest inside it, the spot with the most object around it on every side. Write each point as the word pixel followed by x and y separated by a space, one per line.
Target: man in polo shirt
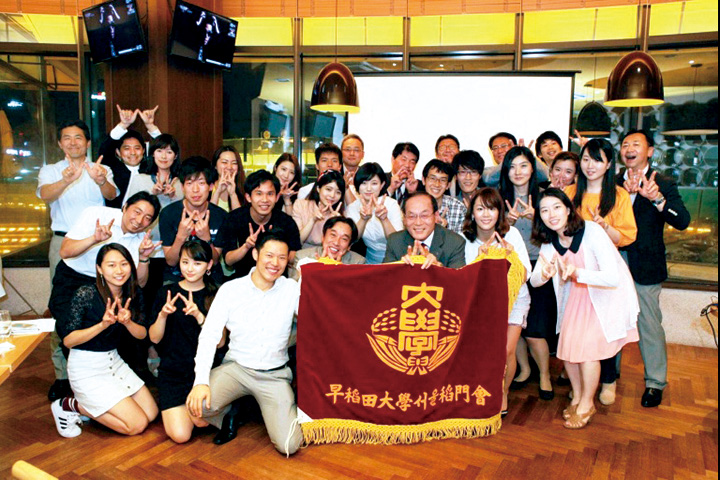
pixel 68 187
pixel 259 311
pixel 243 225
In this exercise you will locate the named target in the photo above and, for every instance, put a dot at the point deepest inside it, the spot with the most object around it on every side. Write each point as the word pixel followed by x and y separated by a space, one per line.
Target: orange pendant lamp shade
pixel 636 81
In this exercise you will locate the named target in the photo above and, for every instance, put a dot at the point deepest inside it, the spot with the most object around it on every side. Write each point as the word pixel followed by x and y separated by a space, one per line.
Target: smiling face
pixel 115 269
pixel 137 217
pixel 329 194
pixel 197 190
pixel 554 214
pixel 468 179
pixel 406 160
pixel 436 183
pixel 521 171
pixel 419 217
pixel 635 151
pixel 285 172
pixel 446 150
pixel 353 153
pixel 563 173
pixel 227 163
pixel 549 150
pixel 486 217
pixel 262 200
pixel 73 143
pixel 371 188
pixel 500 147
pixel 131 152
pixel 594 169
pixel 336 239
pixel 328 161
pixel 193 270
pixel 271 260
pixel 164 157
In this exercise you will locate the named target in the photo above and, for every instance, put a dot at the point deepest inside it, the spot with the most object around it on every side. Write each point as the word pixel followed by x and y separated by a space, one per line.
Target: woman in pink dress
pixel 596 298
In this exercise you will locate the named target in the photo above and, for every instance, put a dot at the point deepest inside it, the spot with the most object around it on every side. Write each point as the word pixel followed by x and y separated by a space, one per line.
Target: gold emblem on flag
pixel 420 335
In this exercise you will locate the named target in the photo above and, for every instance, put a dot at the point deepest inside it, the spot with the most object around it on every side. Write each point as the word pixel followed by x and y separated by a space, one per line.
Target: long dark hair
pixel 162 141
pixel 130 289
pixel 490 198
pixel 506 187
pixel 329 177
pixel 541 233
pixel 201 251
pixel 239 177
pixel 289 157
pixel 595 148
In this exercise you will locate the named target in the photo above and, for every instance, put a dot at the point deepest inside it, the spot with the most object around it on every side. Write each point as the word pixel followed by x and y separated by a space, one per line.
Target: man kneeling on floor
pixel 258 310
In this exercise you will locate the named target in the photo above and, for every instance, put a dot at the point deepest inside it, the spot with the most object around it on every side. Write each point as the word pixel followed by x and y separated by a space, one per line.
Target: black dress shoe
pixel 547 394
pixel 519 385
pixel 651 398
pixel 562 381
pixel 59 389
pixel 229 430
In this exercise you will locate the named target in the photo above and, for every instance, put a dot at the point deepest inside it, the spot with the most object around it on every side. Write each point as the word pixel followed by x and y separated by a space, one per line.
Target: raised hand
pixel 567 270
pixel 252 238
pixel 148 117
pixel 287 191
pixel 521 143
pixel 411 183
pixel 169 190
pixel 381 211
pixel 191 308
pixel 169 308
pixel 549 268
pixel 528 210
pixel 127 117
pixel 578 140
pixel 367 208
pixel 396 182
pixel 648 187
pixel 97 172
pixel 124 316
pixel 147 246
pixel 110 316
pixel 102 232
pixel 442 217
pixel 327 254
pixel 159 187
pixel 186 226
pixel 71 173
pixel 335 212
pixel 632 184
pixel 503 243
pixel 512 211
pixel 202 225
pixel 597 218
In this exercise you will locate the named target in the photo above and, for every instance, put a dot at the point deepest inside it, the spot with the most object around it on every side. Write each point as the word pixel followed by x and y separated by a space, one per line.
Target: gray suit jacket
pixel 350 258
pixel 447 246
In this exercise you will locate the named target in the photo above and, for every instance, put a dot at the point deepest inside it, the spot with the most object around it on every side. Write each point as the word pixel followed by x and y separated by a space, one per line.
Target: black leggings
pixel 608 370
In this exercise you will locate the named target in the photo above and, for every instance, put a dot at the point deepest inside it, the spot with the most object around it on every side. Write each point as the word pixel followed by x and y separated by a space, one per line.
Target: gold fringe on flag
pixel 516 275
pixel 332 430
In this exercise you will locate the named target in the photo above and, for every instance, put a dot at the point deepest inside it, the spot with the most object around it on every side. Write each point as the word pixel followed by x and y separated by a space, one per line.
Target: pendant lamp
pixel 692 118
pixel 335 90
pixel 636 81
pixel 593 121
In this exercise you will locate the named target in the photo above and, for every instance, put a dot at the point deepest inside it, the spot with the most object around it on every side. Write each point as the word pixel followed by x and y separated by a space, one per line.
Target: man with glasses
pixel 437 175
pixel 469 166
pixel 446 147
pixel 423 236
pixel 353 152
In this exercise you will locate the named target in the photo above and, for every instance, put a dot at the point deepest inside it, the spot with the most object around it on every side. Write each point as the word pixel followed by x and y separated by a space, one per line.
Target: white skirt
pixel 100 380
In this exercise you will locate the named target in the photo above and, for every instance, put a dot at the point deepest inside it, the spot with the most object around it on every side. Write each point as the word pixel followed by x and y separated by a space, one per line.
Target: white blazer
pixel 610 284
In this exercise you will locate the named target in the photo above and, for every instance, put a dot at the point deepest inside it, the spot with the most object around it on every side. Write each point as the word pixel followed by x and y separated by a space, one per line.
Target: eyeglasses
pixel 423 216
pixel 468 173
pixel 447 148
pixel 504 146
pixel 352 150
pixel 438 180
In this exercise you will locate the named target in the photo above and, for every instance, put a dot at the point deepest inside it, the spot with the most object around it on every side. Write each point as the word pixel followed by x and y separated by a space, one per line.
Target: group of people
pixel 190 264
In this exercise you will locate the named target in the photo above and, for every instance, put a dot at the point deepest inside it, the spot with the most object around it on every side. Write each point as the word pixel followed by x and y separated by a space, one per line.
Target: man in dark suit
pixel 656 201
pixel 402 179
pixel 423 236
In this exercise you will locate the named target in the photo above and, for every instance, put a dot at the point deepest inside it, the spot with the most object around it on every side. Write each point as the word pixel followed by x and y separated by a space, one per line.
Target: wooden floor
pixel 677 440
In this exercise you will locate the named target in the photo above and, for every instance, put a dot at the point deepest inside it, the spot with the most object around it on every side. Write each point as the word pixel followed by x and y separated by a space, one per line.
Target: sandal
pixel 580 420
pixel 569 411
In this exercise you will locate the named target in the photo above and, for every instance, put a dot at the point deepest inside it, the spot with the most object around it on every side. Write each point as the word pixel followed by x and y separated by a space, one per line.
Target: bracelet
pixel 658 201
pixel 147 260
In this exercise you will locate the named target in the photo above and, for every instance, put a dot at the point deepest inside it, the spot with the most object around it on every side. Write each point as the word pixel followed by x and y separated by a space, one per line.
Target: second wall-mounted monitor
pixel 113 29
pixel 202 35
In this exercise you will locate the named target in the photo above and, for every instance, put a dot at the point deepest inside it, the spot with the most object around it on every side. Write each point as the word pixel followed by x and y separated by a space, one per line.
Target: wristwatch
pixel 658 201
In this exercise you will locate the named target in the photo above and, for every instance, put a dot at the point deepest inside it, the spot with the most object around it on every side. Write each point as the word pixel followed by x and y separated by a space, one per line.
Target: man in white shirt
pixel 68 187
pixel 258 311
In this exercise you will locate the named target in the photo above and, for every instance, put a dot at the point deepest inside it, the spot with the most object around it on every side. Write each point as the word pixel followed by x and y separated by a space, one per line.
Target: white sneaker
pixel 67 423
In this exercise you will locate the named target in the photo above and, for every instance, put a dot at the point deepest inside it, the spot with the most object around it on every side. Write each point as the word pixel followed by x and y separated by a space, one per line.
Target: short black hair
pixel 367 171
pixel 406 147
pixel 160 142
pixel 541 233
pixel 469 159
pixel 447 137
pixel 255 179
pixel 566 156
pixel 73 123
pixel 440 166
pixel 144 196
pixel 275 234
pixel 328 148
pixel 549 135
pixel 195 166
pixel 132 134
pixel 351 136
pixel 507 135
pixel 644 133
pixel 421 194
pixel 330 223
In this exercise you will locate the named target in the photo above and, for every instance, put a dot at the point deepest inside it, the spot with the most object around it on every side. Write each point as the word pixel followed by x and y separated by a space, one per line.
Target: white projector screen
pixel 418 108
